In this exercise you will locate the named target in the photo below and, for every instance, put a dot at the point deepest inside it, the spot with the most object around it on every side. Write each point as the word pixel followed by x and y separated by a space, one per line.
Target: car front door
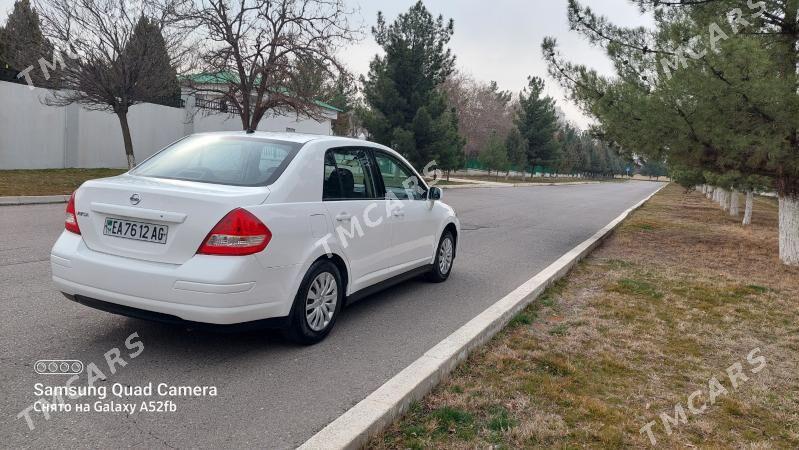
pixel 356 210
pixel 412 222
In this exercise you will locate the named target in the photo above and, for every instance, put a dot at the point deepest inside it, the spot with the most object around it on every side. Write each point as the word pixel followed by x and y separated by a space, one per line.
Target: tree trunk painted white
pixel 709 193
pixel 734 203
pixel 789 229
pixel 750 200
pixel 126 138
pixel 723 200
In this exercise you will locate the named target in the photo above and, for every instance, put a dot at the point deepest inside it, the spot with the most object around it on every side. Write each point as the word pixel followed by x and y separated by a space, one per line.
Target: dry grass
pixel 680 293
pixel 49 181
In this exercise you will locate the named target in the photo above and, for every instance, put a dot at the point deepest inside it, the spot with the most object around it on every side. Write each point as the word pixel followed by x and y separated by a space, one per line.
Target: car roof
pixel 300 138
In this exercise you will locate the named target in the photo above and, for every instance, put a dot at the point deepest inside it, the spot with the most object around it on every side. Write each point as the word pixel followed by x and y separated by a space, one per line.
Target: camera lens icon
pixel 58 366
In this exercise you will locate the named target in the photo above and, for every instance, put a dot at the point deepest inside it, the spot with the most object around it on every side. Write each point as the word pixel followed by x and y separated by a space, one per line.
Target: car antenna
pixel 250 131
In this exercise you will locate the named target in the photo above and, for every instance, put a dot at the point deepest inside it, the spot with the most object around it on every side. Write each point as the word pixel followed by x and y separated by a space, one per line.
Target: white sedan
pixel 264 229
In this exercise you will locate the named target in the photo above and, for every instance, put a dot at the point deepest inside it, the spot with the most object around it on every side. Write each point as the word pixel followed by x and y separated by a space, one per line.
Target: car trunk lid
pixel 174 215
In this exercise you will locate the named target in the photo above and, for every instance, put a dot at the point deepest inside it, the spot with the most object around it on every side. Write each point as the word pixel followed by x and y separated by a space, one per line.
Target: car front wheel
pixel 445 256
pixel 317 304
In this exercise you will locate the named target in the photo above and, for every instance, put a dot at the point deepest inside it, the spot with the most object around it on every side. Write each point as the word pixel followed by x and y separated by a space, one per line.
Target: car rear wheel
pixel 317 304
pixel 445 256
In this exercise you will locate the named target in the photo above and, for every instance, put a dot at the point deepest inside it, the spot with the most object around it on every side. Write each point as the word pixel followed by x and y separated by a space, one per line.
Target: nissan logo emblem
pixel 135 199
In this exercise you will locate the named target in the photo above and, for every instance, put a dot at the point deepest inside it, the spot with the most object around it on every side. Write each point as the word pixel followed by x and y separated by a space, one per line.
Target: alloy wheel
pixel 445 256
pixel 320 304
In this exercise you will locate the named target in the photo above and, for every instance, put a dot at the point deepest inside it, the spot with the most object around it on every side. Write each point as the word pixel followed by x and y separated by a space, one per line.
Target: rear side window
pixel 347 175
pixel 232 160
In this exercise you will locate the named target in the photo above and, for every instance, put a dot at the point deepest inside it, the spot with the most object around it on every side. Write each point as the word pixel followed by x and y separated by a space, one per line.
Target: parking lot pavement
pixel 269 393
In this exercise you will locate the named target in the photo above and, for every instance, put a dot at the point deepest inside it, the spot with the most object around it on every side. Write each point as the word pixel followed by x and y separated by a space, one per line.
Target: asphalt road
pixel 271 394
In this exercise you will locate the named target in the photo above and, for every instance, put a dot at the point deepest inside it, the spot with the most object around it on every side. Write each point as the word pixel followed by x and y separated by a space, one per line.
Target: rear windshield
pixel 233 160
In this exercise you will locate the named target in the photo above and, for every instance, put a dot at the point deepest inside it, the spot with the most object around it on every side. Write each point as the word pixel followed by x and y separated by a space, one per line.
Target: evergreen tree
pixel 407 108
pixel 3 57
pixel 342 95
pixel 449 146
pixel 713 87
pixel 568 143
pixel 537 123
pixel 654 168
pixel 23 44
pixel 495 155
pixel 158 82
pixel 516 149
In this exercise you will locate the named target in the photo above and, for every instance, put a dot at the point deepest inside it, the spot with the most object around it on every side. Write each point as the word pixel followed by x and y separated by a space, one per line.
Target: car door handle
pixel 343 217
pixel 398 214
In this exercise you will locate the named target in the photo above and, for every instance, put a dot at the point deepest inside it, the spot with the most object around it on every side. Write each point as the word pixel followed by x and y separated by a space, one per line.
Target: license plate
pixel 140 231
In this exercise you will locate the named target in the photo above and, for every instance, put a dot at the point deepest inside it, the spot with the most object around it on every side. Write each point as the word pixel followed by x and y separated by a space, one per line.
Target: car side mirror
pixel 434 193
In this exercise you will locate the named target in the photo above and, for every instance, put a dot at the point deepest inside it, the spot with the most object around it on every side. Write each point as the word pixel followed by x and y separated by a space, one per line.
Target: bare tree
pixel 255 53
pixel 482 110
pixel 115 56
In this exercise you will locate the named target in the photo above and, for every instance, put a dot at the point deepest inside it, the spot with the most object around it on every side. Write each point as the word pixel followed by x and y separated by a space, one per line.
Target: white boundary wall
pixel 36 136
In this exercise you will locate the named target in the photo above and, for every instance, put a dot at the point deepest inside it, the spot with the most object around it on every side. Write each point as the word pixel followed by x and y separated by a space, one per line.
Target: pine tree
pixel 495 155
pixel 24 44
pixel 730 109
pixel 403 86
pixel 449 146
pixel 3 57
pixel 158 81
pixel 516 148
pixel 537 123
pixel 342 94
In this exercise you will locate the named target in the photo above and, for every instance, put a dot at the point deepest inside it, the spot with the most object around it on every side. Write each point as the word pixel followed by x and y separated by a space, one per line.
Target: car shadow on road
pixel 181 343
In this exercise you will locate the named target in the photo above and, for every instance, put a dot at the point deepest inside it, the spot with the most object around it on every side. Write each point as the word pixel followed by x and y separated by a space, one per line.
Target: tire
pixel 445 252
pixel 307 327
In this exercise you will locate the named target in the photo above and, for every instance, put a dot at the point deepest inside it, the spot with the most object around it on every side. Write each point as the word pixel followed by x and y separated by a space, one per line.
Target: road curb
pixel 379 409
pixel 33 200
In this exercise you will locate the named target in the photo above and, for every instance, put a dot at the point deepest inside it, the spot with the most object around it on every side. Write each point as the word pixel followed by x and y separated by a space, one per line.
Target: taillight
pixel 238 233
pixel 71 220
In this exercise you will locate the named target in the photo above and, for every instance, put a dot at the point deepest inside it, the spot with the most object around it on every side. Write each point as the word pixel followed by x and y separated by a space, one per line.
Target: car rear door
pixel 356 211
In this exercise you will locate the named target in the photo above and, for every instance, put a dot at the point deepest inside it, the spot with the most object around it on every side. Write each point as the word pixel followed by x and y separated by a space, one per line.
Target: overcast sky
pixel 500 40
pixel 494 40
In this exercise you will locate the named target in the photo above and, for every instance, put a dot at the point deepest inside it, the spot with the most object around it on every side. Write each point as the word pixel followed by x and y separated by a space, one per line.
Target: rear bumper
pixel 114 308
pixel 205 289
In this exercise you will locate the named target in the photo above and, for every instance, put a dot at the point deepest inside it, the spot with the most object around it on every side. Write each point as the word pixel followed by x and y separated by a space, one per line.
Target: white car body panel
pixel 173 279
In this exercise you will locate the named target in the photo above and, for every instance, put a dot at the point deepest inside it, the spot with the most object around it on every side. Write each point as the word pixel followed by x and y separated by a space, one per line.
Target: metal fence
pixel 217 104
